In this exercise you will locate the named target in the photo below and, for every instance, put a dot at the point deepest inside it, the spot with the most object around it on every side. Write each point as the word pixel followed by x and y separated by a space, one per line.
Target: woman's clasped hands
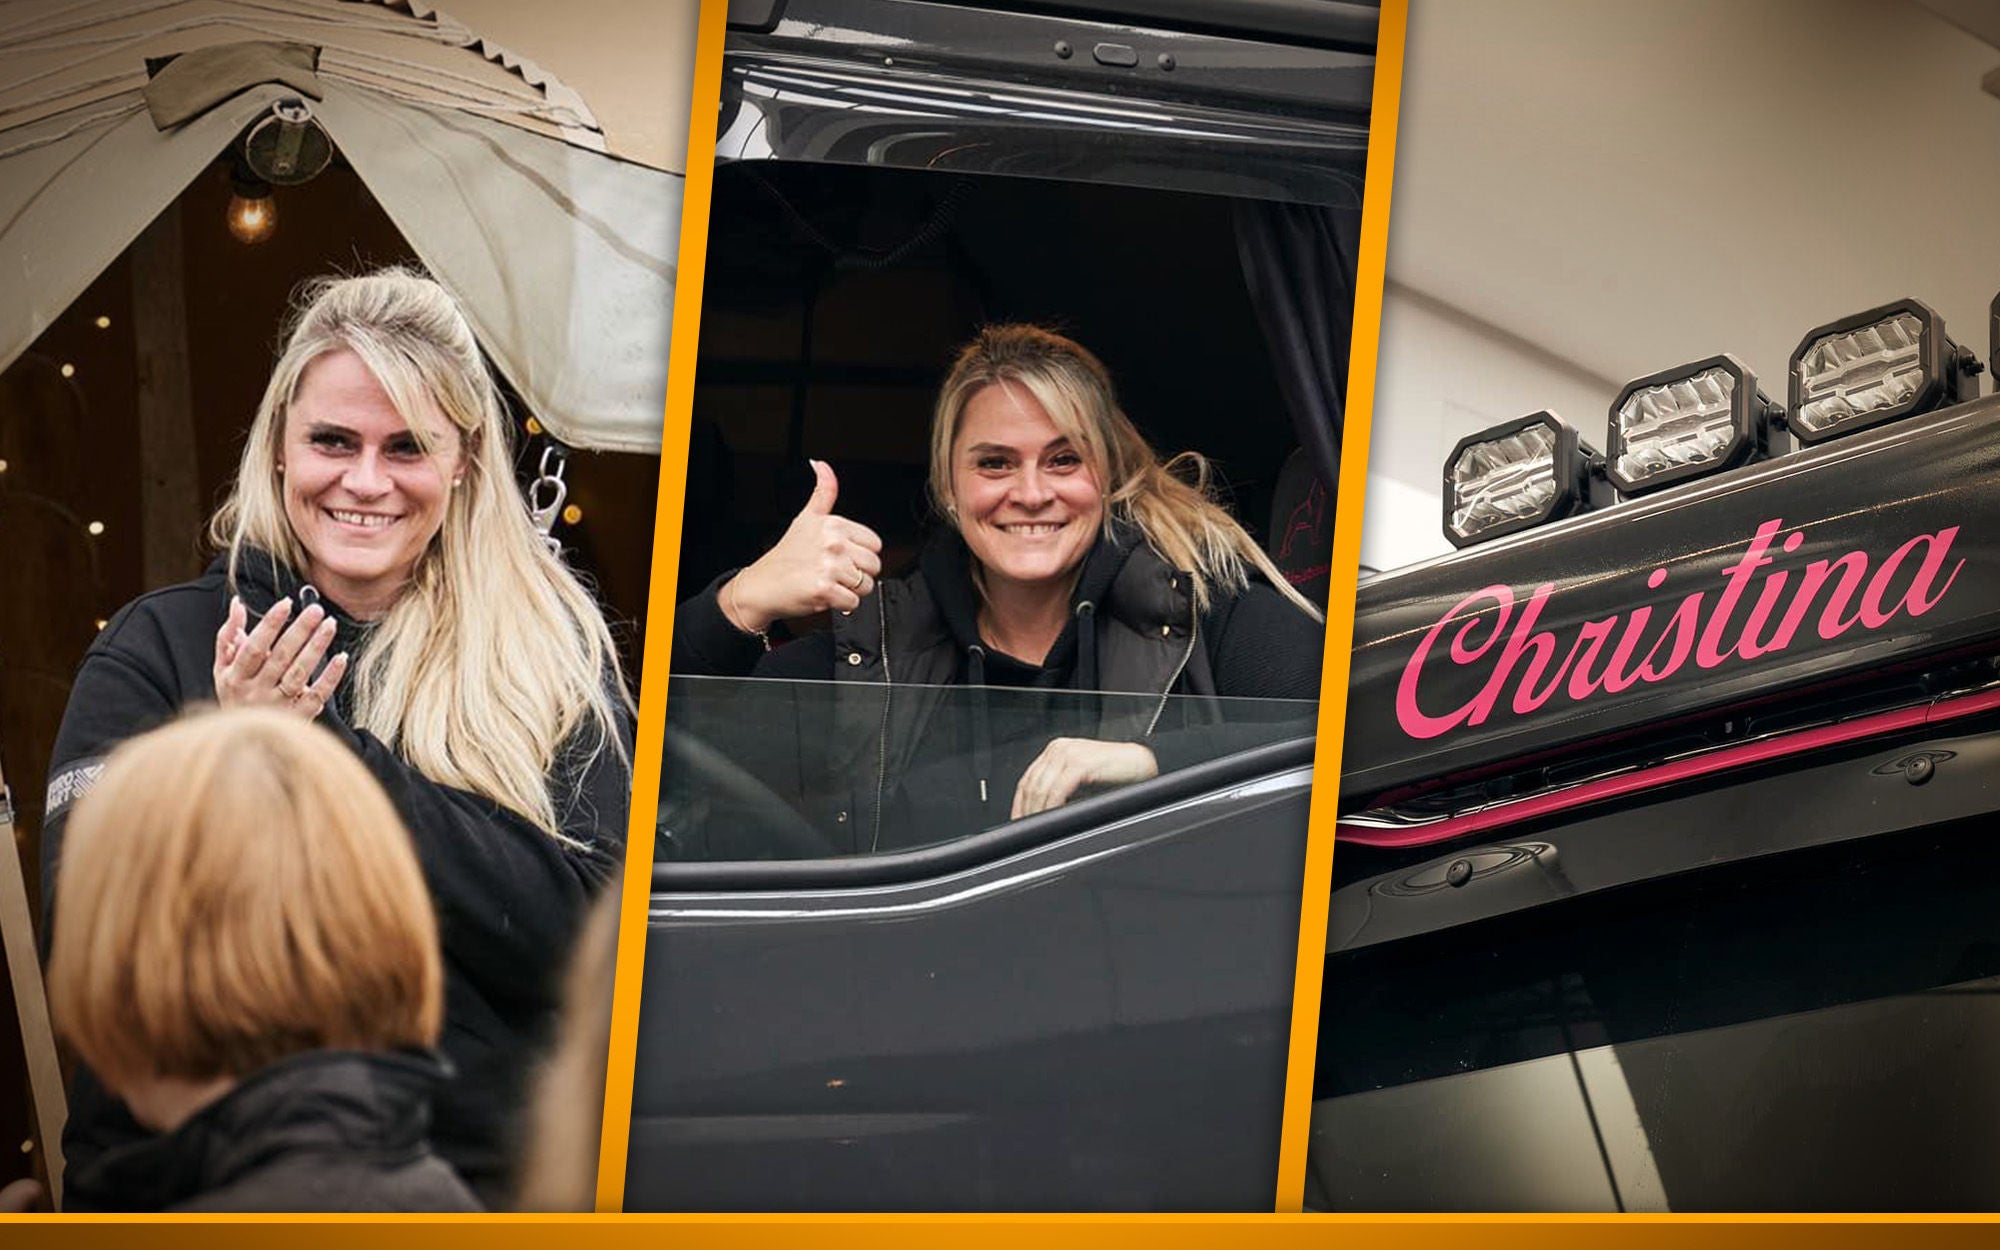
pixel 272 665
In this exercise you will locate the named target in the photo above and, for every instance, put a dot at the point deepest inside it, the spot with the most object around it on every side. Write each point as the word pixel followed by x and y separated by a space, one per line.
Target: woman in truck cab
pixel 378 573
pixel 1071 558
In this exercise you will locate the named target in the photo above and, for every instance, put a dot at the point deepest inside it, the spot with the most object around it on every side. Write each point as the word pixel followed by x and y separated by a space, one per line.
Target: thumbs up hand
pixel 823 561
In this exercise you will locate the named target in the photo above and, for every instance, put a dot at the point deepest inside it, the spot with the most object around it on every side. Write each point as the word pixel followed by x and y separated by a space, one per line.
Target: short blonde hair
pixel 1178 517
pixel 236 889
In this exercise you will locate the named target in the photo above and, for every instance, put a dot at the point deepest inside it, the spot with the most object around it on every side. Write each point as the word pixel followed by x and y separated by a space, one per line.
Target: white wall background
pixel 1587 192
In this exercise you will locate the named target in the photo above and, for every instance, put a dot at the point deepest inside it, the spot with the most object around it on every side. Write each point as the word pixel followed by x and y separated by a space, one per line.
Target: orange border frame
pixel 637 887
pixel 1009 1232
pixel 1006 1232
pixel 1346 567
pixel 1340 618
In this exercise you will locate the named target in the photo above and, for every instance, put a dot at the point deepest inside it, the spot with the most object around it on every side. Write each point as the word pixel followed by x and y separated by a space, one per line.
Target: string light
pixel 572 515
pixel 101 622
pixel 104 323
pixel 95 528
pixel 534 426
pixel 69 370
pixel 3 466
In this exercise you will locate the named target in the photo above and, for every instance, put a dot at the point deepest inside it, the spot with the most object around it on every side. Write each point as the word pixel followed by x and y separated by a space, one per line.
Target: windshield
pixel 762 769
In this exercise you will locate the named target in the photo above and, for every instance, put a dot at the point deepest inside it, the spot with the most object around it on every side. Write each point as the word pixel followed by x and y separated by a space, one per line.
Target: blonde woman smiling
pixel 380 574
pixel 1071 558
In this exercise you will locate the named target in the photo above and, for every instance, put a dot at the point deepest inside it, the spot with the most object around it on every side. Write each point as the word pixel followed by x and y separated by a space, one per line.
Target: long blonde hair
pixel 237 889
pixel 495 655
pixel 1178 517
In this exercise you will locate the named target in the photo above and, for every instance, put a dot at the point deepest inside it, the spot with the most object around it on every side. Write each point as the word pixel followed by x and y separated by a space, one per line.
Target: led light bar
pixel 1517 475
pixel 1699 418
pixel 1993 339
pixel 1876 366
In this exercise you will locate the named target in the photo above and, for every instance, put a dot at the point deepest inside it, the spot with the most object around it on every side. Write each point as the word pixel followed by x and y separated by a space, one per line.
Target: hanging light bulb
pixel 252 213
pixel 572 514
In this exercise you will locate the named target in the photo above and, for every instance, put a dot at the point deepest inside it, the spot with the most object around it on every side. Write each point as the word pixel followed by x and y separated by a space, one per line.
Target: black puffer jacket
pixel 325 1131
pixel 509 897
pixel 886 761
pixel 1258 644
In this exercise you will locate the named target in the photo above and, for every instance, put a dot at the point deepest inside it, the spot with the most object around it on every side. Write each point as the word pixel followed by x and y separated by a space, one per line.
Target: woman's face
pixel 1028 505
pixel 363 496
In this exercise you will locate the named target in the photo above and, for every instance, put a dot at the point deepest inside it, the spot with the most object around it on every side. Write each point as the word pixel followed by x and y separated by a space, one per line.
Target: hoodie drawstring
pixel 1086 645
pixel 982 732
pixel 1086 669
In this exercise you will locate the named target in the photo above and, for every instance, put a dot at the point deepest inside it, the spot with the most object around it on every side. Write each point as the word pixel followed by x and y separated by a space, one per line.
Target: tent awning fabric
pixel 563 259
pixel 56 55
pixel 562 256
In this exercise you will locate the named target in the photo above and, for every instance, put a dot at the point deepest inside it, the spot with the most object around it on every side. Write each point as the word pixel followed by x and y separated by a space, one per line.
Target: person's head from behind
pixel 236 890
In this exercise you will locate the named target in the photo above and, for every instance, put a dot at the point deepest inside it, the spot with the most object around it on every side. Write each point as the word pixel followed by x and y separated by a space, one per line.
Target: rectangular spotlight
pixel 1516 475
pixel 1993 339
pixel 1889 362
pixel 1686 422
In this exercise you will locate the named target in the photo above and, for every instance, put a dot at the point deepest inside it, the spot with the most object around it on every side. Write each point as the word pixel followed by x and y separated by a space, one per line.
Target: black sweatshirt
pixel 509 897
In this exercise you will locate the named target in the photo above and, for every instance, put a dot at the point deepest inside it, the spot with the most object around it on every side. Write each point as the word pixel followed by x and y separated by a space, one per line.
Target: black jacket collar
pixel 946 564
pixel 262 579
pixel 338 1103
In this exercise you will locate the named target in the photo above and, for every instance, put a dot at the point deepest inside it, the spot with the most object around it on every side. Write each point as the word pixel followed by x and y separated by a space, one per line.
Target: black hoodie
pixel 509 897
pixel 323 1131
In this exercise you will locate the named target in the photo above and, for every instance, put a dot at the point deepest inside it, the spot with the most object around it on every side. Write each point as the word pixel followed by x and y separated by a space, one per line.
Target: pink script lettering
pixel 1526 667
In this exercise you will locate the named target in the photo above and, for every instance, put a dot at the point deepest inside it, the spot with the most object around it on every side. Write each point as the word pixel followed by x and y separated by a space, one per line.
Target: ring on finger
pixel 860 580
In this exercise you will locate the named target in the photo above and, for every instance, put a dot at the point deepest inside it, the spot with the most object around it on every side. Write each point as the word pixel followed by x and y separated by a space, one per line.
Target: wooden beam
pixel 31 1004
pixel 170 511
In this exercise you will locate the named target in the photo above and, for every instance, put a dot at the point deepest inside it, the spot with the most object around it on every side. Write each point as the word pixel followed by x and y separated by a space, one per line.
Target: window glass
pixel 1796 1032
pixel 762 769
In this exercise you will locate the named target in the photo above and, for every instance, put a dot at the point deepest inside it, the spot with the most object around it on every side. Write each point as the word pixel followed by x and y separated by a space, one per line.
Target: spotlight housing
pixel 1993 339
pixel 1517 475
pixel 1695 419
pixel 1860 371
